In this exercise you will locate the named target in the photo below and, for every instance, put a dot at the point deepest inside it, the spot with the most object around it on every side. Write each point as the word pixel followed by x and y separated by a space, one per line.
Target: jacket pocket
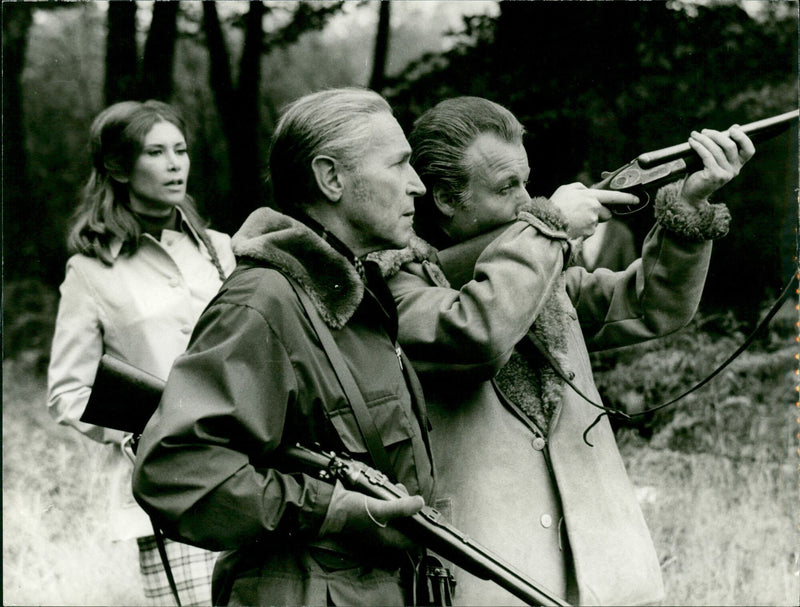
pixel 390 419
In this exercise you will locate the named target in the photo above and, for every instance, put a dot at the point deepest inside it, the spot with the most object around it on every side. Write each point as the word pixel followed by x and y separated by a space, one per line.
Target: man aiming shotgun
pixel 499 327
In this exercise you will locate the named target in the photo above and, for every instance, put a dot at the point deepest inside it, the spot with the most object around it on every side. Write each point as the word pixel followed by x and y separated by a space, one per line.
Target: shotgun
pixel 651 170
pixel 124 397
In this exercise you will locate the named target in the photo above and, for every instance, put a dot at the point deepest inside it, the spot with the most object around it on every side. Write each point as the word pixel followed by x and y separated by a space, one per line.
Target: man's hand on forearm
pixel 723 156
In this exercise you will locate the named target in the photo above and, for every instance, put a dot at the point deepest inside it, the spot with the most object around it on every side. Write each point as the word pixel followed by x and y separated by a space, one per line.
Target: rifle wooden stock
pixel 120 386
pixel 123 396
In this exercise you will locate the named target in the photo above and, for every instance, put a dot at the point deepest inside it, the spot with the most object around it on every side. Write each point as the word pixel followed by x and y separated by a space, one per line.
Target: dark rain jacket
pixel 255 378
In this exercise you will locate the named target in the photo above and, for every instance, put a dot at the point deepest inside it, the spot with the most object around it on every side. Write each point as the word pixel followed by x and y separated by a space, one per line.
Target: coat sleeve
pixel 224 408
pixel 474 329
pixel 75 355
pixel 658 293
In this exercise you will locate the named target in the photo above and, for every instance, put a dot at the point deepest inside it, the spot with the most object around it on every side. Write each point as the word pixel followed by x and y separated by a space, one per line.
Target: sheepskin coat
pixel 255 378
pixel 513 470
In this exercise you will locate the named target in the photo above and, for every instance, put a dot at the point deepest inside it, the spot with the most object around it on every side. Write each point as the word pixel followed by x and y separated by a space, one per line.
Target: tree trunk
pixel 247 171
pixel 121 56
pixel 159 52
pixel 220 77
pixel 378 78
pixel 21 212
pixel 238 111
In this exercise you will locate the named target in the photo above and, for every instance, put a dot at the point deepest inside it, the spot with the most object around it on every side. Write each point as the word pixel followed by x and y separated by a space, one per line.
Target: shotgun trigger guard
pixel 630 209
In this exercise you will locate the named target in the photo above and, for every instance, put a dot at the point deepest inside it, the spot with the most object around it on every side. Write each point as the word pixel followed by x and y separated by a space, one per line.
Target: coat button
pixel 174 282
pixel 546 521
pixel 571 375
pixel 186 330
pixel 538 443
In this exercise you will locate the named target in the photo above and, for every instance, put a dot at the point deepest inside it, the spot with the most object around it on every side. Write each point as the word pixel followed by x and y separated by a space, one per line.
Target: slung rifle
pixel 124 397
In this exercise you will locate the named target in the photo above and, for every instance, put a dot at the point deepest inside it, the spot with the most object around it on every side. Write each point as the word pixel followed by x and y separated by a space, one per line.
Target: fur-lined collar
pixel 292 248
pixel 391 260
pixel 538 212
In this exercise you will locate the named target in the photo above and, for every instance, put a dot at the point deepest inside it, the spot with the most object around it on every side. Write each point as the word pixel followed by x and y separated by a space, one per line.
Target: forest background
pixel 595 84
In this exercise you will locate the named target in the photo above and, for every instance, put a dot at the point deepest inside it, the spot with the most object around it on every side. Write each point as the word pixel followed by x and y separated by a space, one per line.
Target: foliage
pixel 29 314
pixel 56 547
pixel 597 83
pixel 61 76
pixel 743 413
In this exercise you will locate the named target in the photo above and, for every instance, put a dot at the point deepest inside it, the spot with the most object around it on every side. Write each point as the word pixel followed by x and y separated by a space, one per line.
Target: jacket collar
pixel 284 243
pixel 116 244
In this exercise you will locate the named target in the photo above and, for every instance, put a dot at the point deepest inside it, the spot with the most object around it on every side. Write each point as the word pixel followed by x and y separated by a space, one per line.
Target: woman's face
pixel 158 179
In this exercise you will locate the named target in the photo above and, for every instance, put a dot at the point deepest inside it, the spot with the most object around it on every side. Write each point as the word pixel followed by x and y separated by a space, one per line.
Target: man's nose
pixel 415 186
pixel 523 198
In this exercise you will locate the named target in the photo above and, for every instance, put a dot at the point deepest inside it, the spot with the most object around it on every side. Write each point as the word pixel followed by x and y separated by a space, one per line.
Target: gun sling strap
pixel 434 585
pixel 532 344
pixel 364 420
pixel 162 552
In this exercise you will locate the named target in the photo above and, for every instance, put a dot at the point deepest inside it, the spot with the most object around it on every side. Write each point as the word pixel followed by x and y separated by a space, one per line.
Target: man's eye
pixel 154 152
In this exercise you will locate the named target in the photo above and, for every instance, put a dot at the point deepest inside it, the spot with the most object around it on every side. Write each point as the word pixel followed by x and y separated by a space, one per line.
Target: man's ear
pixel 326 173
pixel 444 201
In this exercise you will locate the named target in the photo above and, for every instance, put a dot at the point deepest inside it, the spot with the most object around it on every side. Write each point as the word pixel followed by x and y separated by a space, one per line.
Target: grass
pixel 716 475
pixel 56 549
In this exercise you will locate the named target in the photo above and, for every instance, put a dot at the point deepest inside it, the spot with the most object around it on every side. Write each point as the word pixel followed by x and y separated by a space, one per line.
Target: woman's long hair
pixel 104 212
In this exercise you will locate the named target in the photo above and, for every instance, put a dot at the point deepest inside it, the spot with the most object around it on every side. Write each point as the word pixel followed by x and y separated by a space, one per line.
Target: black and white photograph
pixel 400 303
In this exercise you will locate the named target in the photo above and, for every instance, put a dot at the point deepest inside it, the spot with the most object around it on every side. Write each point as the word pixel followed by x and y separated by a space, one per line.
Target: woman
pixel 142 270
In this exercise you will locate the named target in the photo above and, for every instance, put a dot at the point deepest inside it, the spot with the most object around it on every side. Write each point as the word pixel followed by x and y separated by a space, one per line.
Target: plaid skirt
pixel 191 568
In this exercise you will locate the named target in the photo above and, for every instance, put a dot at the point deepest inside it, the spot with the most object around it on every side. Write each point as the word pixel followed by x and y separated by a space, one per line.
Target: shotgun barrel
pixel 760 130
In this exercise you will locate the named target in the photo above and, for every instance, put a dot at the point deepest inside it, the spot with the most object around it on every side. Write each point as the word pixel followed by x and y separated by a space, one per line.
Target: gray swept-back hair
pixel 325 123
pixel 439 142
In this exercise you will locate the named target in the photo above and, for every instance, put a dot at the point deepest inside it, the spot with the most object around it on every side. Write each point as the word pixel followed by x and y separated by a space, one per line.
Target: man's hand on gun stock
pixel 583 207
pixel 366 518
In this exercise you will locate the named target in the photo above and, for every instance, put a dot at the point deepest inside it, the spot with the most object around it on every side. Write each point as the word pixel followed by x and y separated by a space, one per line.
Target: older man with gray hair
pixel 256 376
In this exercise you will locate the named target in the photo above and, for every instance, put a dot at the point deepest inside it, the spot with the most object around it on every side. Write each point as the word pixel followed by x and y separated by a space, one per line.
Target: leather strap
pixel 162 552
pixel 364 420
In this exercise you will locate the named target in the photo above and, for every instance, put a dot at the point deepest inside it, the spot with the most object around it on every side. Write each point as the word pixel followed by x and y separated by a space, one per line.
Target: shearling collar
pixel 538 212
pixel 391 260
pixel 292 248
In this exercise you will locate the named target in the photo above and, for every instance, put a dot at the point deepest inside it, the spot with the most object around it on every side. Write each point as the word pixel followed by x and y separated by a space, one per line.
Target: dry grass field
pixel 717 477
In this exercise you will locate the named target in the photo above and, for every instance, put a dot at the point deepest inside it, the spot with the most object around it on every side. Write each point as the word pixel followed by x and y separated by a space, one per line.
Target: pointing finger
pixel 385 510
pixel 613 197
